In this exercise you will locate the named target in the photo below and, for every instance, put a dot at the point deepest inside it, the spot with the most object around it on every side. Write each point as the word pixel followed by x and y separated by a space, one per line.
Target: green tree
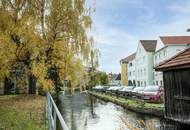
pixel 103 78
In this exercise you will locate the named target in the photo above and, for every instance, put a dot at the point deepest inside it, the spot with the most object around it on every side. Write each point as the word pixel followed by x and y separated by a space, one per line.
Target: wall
pixel 150 70
pixel 124 75
pixel 144 66
pixel 177 95
pixel 131 73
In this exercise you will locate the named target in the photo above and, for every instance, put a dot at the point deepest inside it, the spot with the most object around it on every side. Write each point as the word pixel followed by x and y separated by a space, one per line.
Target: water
pixel 84 112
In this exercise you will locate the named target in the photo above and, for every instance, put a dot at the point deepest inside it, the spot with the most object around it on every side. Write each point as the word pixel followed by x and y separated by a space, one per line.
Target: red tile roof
pixel 128 58
pixel 175 39
pixel 182 60
pixel 149 45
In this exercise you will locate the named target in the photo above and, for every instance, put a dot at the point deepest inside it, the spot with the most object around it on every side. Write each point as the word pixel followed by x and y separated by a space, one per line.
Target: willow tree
pixel 19 26
pixel 46 39
pixel 93 63
pixel 67 42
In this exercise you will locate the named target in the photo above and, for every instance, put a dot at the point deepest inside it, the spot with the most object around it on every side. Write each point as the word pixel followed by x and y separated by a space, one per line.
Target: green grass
pixel 22 112
pixel 129 102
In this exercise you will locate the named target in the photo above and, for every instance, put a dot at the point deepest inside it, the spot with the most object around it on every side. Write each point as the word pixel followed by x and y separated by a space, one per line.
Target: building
pixel 176 77
pixel 144 62
pixel 167 47
pixel 117 81
pixel 124 70
pixel 131 70
pixel 114 79
pixel 127 64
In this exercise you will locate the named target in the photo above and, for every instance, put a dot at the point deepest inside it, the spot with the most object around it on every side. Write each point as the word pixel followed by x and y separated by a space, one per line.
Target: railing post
pixel 55 119
pixel 53 114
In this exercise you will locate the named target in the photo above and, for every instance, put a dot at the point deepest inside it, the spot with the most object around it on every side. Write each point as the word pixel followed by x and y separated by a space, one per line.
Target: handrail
pixel 53 114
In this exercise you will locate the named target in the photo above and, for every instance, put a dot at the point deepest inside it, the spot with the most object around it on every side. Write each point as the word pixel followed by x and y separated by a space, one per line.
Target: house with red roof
pixel 144 62
pixel 167 47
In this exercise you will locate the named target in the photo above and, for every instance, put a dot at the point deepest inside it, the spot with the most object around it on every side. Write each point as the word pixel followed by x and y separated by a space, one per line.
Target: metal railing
pixel 53 114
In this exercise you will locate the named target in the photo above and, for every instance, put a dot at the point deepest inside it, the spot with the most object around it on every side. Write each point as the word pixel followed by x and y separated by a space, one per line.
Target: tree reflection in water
pixel 84 112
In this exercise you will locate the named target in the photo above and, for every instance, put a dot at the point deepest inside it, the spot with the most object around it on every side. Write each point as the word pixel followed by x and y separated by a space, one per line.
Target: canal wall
pixel 135 106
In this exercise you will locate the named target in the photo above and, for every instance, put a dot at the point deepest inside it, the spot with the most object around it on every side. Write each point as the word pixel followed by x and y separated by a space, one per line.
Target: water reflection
pixel 84 112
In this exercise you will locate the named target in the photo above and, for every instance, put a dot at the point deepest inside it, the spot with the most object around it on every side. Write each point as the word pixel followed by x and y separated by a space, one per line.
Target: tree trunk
pixel 32 84
pixel 7 86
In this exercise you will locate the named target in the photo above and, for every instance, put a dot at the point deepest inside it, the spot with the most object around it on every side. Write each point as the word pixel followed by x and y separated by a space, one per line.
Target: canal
pixel 85 112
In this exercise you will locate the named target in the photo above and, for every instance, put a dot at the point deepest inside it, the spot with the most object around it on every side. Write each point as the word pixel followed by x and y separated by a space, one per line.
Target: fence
pixel 53 115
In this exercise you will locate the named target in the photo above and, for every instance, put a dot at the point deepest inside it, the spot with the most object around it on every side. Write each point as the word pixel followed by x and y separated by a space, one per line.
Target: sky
pixel 118 25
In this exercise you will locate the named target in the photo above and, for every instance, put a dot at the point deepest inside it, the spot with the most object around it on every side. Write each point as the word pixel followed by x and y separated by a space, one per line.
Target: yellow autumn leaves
pixel 42 37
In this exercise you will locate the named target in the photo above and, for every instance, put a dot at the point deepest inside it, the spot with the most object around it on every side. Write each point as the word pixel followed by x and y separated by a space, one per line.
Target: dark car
pixel 153 94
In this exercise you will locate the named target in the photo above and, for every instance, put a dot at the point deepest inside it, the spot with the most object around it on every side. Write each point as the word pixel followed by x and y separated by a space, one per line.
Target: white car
pixel 113 88
pixel 137 91
pixel 98 87
pixel 127 89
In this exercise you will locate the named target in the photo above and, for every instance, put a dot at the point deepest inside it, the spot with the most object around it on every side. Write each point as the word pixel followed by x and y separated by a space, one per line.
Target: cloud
pixel 112 36
pixel 183 8
pixel 114 44
pixel 116 41
pixel 114 4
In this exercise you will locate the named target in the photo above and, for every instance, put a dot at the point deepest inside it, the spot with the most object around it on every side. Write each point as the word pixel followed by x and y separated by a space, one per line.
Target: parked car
pixel 125 91
pixel 153 94
pixel 99 88
pixel 113 90
pixel 136 92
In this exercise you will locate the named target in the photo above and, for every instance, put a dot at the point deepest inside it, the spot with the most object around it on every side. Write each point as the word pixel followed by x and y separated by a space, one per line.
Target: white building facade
pixel 166 48
pixel 144 62
pixel 131 71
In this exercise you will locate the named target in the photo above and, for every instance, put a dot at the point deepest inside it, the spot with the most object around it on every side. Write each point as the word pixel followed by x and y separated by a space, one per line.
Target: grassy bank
pixel 22 112
pixel 134 105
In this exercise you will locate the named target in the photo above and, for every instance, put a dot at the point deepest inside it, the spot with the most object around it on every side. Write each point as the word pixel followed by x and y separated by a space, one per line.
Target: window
pixel 155 57
pixel 129 73
pixel 138 83
pixel 161 83
pixel 164 52
pixel 130 64
pixel 159 55
pixel 156 82
pixel 144 83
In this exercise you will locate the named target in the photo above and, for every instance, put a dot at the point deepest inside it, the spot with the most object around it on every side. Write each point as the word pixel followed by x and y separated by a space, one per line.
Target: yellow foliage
pixel 36 38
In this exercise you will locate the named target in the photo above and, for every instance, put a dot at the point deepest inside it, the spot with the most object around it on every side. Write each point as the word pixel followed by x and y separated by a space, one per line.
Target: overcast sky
pixel 120 24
